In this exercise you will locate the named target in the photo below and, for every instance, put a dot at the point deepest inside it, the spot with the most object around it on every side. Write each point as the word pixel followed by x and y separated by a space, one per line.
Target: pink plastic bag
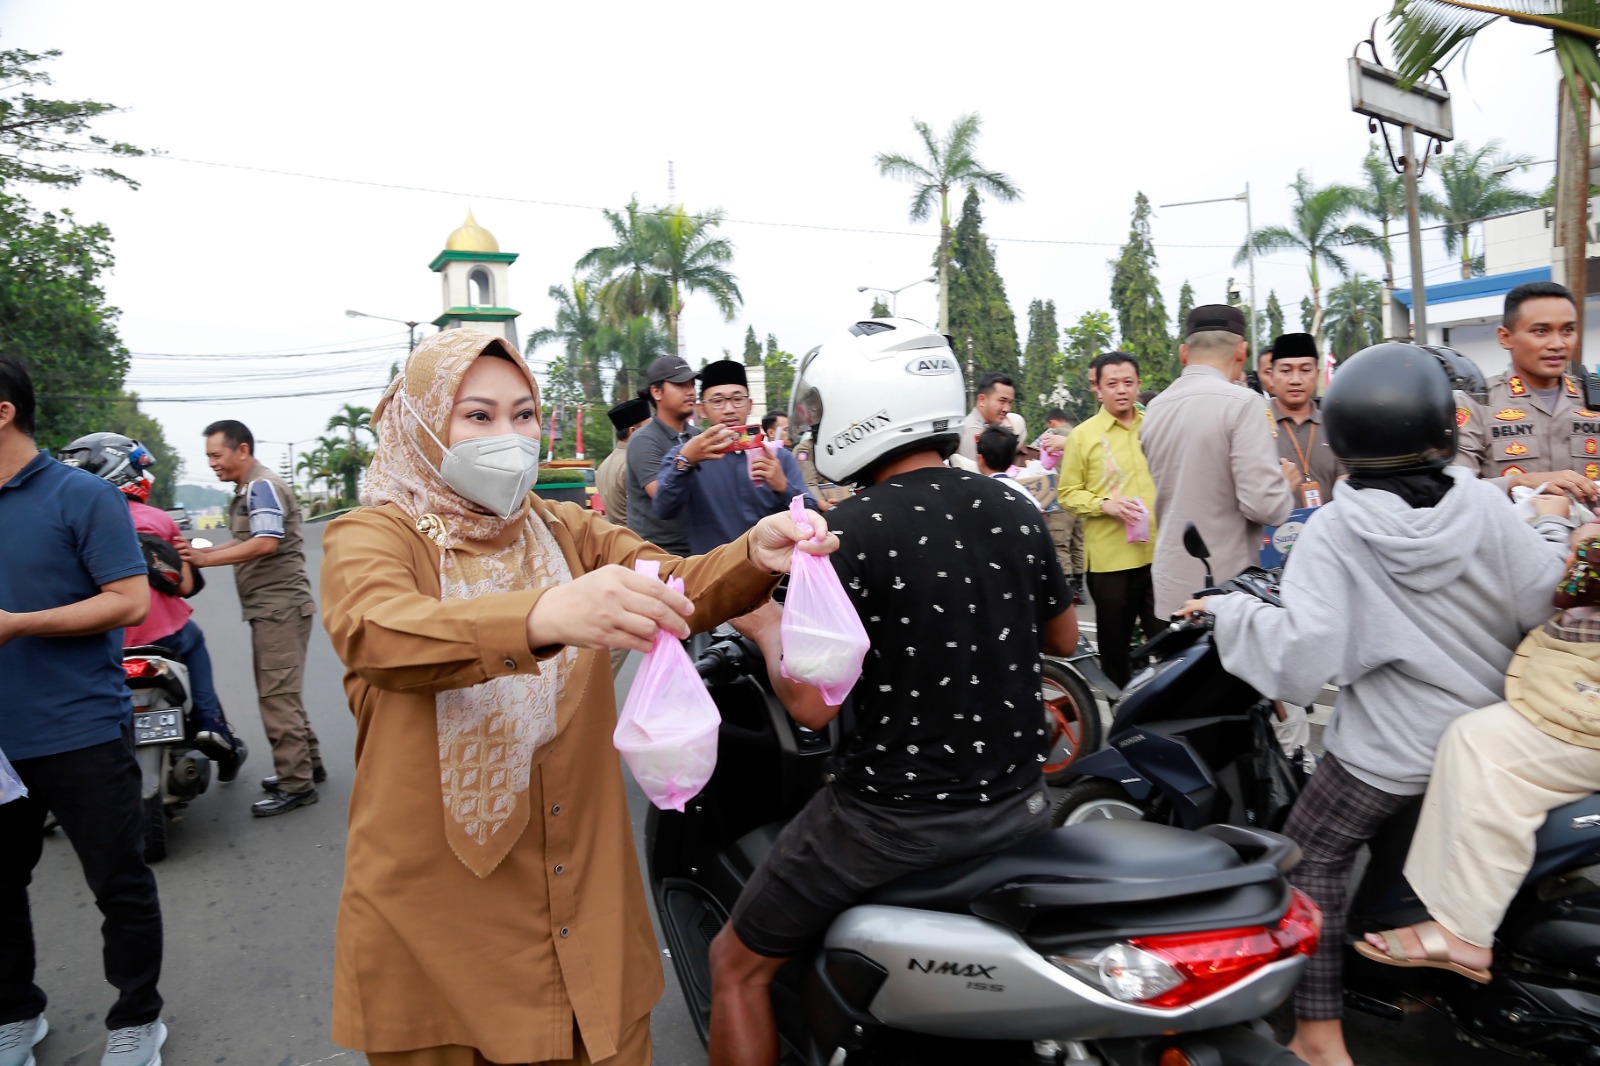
pixel 667 731
pixel 1139 527
pixel 823 640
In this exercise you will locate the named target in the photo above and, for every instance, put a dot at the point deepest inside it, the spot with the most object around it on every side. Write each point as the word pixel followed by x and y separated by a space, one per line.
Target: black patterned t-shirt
pixel 953 575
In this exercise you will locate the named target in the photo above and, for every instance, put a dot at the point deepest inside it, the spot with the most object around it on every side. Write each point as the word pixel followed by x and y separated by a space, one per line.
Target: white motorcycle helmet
pixel 881 388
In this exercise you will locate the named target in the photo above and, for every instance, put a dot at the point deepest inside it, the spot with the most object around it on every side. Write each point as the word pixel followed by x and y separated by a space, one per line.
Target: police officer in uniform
pixel 1534 426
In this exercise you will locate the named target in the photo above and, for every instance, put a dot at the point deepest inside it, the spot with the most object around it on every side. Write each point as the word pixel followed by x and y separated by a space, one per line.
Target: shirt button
pixel 511 662
pixel 564 930
pixel 556 809
pixel 560 869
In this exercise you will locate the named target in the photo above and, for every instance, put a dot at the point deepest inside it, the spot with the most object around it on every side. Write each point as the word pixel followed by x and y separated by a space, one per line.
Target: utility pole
pixel 1572 204
pixel 1419 287
pixel 972 381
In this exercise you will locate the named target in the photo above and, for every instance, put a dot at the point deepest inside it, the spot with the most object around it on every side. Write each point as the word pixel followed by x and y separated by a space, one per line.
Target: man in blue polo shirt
pixel 73 578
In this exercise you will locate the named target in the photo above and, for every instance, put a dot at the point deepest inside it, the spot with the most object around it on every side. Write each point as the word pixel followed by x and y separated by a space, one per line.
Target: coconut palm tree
pixel 690 258
pixel 1383 199
pixel 1318 228
pixel 1473 191
pixel 348 457
pixel 631 347
pixel 632 286
pixel 1354 319
pixel 946 164
pixel 579 325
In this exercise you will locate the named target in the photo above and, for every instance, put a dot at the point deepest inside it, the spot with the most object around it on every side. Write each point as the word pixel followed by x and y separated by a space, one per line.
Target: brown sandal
pixel 1436 954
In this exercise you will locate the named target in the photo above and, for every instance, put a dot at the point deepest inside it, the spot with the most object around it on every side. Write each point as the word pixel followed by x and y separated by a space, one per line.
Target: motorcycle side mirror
pixel 200 542
pixel 1195 545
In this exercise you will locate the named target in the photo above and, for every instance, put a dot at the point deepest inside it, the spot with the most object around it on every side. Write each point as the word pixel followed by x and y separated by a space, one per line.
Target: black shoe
pixel 281 802
pixel 318 776
pixel 228 765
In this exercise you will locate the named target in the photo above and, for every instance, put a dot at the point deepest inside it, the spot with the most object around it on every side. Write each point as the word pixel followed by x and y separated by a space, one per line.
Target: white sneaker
pixel 137 1045
pixel 18 1038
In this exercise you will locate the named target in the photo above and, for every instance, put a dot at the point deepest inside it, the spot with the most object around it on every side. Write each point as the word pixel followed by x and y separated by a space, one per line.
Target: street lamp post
pixel 894 294
pixel 411 326
pixel 290 444
pixel 1250 249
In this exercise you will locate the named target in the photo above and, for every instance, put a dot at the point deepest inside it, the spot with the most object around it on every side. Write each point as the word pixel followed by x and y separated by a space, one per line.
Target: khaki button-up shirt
pixel 425 952
pixel 611 481
pixel 1211 447
pixel 274 583
pixel 1516 433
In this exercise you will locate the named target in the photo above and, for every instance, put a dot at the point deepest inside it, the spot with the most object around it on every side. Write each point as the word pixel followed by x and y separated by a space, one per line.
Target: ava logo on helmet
pixel 858 430
pixel 930 366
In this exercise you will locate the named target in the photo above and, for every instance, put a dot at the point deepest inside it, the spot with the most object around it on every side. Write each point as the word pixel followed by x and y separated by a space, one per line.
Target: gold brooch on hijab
pixel 432 526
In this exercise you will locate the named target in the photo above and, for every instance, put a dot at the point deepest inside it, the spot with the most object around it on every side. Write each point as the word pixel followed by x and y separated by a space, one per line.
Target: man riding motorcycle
pixel 957 584
pixel 125 463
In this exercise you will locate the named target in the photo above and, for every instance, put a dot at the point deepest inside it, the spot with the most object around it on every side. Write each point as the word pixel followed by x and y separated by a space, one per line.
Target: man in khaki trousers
pixel 270 573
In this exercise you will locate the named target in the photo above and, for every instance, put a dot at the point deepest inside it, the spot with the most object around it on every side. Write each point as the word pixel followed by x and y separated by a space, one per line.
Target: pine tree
pixel 1180 322
pixel 1041 363
pixel 879 308
pixel 1090 336
pixel 752 347
pixel 1308 314
pixel 780 375
pixel 1274 316
pixel 979 313
pixel 1136 299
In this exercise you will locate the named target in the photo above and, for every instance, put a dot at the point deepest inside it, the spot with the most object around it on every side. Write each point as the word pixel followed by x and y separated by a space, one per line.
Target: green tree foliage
pixel 879 308
pixel 1308 315
pixel 31 128
pixel 348 455
pixel 579 328
pixel 1136 299
pixel 1041 363
pixel 979 312
pixel 630 348
pixel 632 286
pixel 780 375
pixel 752 347
pixel 1318 229
pixel 1354 319
pixel 1471 191
pixel 123 415
pixel 1186 304
pixel 944 164
pixel 1274 316
pixel 1383 199
pixel 1093 334
pixel 54 318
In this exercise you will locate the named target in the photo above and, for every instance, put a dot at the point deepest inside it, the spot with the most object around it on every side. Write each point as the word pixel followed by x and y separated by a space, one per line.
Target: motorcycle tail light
pixel 141 668
pixel 1178 969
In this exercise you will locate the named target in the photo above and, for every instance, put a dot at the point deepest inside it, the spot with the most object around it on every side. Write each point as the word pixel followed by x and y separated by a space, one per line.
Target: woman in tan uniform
pixel 492 909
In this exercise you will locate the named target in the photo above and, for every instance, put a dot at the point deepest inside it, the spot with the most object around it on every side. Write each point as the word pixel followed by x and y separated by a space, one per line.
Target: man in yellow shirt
pixel 1106 482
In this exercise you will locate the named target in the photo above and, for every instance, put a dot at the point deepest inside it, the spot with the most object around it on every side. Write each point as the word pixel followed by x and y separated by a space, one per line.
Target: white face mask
pixel 493 472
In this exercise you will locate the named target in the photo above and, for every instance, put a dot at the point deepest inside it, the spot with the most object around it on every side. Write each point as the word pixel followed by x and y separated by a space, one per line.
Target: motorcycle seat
pixel 150 651
pixel 1099 867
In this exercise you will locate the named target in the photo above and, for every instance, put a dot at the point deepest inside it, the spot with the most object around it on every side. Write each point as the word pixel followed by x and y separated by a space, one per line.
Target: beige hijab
pixel 490 735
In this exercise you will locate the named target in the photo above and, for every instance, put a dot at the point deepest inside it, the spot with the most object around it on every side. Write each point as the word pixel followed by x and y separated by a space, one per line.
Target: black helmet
pixel 1464 373
pixel 1390 410
pixel 120 460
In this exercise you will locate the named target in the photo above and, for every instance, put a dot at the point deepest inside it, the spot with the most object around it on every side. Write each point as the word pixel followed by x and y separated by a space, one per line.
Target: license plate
pixel 157 727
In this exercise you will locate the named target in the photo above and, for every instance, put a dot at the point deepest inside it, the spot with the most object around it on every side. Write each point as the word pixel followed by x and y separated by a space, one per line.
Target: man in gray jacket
pixel 1410 592
pixel 1212 448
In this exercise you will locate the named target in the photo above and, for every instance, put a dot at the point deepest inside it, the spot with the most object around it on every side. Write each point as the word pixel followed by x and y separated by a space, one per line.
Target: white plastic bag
pixel 667 731
pixel 824 642
pixel 11 786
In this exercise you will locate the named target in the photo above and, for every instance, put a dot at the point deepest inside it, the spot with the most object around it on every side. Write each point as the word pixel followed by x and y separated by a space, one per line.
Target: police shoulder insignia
pixel 1508 471
pixel 1591 471
pixel 1572 386
pixel 1463 416
pixel 1516 448
pixel 1511 414
pixel 1591 446
pixel 1514 383
pixel 1584 412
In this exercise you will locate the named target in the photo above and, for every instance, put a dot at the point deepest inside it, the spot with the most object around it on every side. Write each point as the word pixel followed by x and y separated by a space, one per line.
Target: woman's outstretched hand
pixel 612 607
pixel 774 538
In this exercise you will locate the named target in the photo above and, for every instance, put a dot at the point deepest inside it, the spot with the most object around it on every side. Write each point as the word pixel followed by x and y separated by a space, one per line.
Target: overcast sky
pixel 771 112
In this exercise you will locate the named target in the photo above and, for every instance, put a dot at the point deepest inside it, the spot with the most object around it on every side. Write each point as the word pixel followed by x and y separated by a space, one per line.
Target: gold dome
pixel 471 237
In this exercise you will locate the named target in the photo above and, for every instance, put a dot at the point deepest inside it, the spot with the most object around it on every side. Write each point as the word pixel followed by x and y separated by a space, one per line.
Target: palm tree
pixel 1354 319
pixel 1472 192
pixel 689 258
pixel 1429 33
pixel 632 287
pixel 631 347
pixel 579 325
pixel 313 463
pixel 1318 229
pixel 946 164
pixel 1383 199
pixel 349 457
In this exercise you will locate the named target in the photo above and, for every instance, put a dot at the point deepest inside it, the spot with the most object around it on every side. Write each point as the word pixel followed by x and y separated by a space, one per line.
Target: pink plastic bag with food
pixel 667 731
pixel 823 639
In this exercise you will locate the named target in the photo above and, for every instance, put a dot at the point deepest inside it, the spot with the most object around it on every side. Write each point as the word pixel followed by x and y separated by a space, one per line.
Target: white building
pixel 477 287
pixel 1517 249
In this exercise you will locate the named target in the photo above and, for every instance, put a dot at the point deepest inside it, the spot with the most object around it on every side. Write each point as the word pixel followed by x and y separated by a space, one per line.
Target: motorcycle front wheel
pixel 1094 800
pixel 1071 719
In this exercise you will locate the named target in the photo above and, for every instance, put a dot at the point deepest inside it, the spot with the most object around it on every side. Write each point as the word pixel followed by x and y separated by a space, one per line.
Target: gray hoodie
pixel 1412 612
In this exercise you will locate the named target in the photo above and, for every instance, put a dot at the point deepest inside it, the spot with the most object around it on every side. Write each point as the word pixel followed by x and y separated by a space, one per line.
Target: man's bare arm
pixel 119 604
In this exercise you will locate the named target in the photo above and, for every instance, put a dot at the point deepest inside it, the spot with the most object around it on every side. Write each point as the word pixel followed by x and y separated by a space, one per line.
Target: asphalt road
pixel 249 906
